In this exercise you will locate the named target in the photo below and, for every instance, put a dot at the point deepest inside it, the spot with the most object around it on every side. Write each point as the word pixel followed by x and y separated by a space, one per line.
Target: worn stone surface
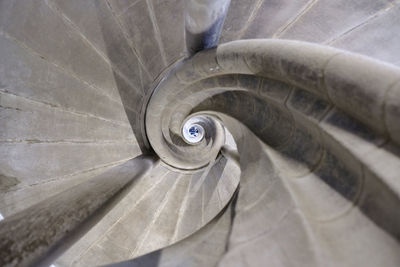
pixel 238 18
pixel 392 111
pixel 71 92
pixel 204 248
pixel 21 119
pixel 171 28
pixel 146 43
pixel 41 29
pixel 7 182
pixel 152 222
pixel 19 197
pixel 34 162
pixel 311 132
pixel 326 20
pixel 303 177
pixel 26 74
pixel 55 222
pixel 273 17
pixel 360 90
pixel 375 37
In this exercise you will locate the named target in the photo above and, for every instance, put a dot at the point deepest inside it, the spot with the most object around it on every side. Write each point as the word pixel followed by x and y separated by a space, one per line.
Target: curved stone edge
pixel 354 84
pixel 357 84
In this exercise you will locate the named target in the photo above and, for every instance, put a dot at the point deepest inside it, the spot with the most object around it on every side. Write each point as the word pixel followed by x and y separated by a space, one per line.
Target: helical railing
pixel 287 77
pixel 318 125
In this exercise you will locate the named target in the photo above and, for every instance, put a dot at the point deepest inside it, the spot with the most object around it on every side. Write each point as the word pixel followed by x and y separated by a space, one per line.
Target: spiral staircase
pixel 128 139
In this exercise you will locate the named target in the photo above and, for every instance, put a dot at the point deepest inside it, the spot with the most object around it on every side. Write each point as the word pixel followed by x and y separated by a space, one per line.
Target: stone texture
pixel 184 204
pixel 237 19
pixel 43 30
pixel 204 248
pixel 384 164
pixel 273 16
pixel 95 21
pixel 25 120
pixel 275 90
pixel 133 19
pixel 20 197
pixel 35 162
pixel 121 6
pixel 54 221
pixel 355 136
pixel 142 186
pixel 311 133
pixel 392 112
pixel 299 63
pixel 171 28
pixel 308 169
pixel 85 18
pixel 26 74
pixel 326 20
pixel 359 88
pixel 308 104
pixel 375 38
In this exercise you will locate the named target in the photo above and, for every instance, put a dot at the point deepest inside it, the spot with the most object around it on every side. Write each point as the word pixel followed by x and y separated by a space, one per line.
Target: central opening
pixel 194 131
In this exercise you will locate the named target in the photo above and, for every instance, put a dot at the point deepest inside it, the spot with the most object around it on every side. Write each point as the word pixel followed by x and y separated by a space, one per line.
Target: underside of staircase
pixel 128 137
